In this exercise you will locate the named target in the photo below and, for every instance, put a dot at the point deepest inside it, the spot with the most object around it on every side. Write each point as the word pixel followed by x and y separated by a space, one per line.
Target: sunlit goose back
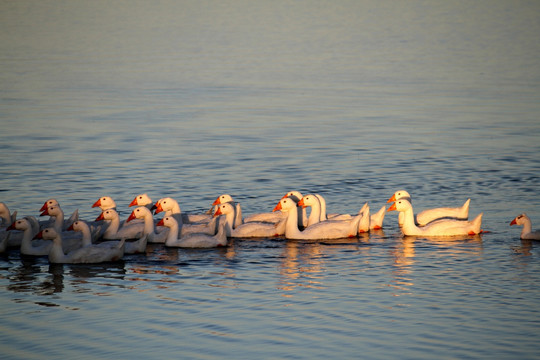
pixel 442 227
pixel 527 232
pixel 83 255
pixel 318 231
pixel 249 229
pixel 194 240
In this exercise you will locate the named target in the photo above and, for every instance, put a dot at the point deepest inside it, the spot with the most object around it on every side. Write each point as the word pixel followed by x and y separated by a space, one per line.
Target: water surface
pixel 350 99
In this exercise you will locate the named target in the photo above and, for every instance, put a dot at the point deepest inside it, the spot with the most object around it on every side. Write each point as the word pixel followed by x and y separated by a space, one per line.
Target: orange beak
pixel 158 209
pixel 392 207
pixel 131 217
pixel 160 223
pixel 218 212
pixel 285 196
pixel 70 228
pixel 513 222
pixel 39 235
pixel 301 203
pixel 45 213
pixel 44 207
pixel 216 202
pixel 133 203
pixel 392 199
pixel 100 217
pixel 278 206
pixel 97 203
pixel 11 227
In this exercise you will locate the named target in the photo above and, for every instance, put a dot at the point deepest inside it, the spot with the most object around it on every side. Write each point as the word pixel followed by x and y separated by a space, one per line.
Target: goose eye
pixel 140 197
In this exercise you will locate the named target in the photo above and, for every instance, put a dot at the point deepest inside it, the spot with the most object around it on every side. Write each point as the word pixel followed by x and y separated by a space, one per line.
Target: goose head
pixel 77 226
pixel 141 200
pixel 53 210
pixel 224 209
pixel 308 200
pixel 47 234
pixel 21 224
pixel 295 195
pixel 109 214
pixel 285 204
pixel 104 203
pixel 400 205
pixel 164 204
pixel 167 221
pixel 222 199
pixel 50 202
pixel 520 219
pixel 400 194
pixel 139 213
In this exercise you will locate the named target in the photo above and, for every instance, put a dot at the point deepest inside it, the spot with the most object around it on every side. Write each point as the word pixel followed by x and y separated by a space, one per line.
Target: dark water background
pixel 350 99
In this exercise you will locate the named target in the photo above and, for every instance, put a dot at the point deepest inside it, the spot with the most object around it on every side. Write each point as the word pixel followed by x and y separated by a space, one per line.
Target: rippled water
pixel 350 99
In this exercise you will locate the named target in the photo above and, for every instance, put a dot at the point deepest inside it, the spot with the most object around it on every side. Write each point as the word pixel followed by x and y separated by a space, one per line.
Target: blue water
pixel 350 99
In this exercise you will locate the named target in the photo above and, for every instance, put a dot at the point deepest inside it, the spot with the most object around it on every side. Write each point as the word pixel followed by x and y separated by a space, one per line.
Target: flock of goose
pixel 107 238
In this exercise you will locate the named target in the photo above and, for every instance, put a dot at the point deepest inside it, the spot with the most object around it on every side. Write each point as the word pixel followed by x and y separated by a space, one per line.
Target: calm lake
pixel 350 99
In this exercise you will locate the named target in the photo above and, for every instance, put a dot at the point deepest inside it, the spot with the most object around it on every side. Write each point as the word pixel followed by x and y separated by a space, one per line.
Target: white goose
pixel 7 219
pixel 171 207
pixel 526 232
pixel 65 223
pixel 104 203
pixel 429 215
pixel 442 227
pixel 194 240
pixel 226 198
pixel 302 214
pixel 249 229
pixel 130 247
pixel 29 247
pixel 115 232
pixel 84 255
pixel 70 240
pixel 315 217
pixel 319 231
pixel 142 212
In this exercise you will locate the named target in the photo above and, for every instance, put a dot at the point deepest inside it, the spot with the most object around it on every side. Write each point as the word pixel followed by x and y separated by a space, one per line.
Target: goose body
pixel 171 208
pixel 193 240
pixel 130 247
pixel 429 215
pixel 85 255
pixel 526 233
pixel 442 227
pixel 249 229
pixel 319 231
